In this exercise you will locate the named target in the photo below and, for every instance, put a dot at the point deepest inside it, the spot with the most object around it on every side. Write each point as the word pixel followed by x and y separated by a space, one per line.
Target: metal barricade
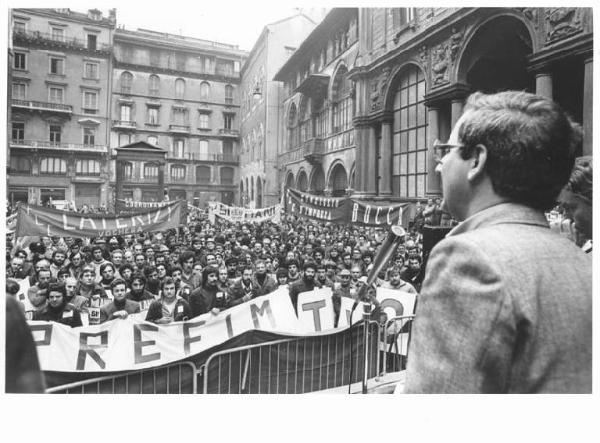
pixel 395 342
pixel 179 378
pixel 296 365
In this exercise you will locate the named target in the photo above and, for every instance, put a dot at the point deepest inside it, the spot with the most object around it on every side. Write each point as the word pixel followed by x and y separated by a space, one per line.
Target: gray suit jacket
pixel 506 307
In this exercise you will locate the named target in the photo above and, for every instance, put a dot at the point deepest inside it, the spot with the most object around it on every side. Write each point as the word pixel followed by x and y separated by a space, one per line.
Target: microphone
pixel 396 236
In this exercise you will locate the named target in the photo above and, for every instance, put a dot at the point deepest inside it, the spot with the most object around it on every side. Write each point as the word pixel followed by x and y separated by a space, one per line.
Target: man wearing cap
pixel 305 284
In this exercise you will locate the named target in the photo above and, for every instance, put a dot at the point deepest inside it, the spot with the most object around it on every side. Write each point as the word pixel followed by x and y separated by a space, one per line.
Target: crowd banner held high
pixel 129 207
pixel 344 210
pixel 235 214
pixel 39 220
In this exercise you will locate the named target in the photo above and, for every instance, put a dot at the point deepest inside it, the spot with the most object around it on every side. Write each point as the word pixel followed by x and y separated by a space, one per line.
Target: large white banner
pixel 236 214
pixel 132 343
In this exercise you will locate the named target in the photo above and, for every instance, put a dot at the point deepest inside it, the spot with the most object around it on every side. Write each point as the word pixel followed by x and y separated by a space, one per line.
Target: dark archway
pixel 495 58
pixel 338 180
pixel 317 180
pixel 289 181
pixel 259 190
pixel 302 181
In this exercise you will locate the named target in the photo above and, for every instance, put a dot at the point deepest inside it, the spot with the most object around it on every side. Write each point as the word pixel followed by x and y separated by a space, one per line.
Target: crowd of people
pixel 204 267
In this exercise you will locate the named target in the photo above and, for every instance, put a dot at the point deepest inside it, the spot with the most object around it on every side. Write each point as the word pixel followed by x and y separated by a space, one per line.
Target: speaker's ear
pixel 477 162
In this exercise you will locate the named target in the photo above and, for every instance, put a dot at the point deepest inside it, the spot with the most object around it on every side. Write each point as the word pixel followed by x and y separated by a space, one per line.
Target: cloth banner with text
pixel 133 343
pixel 235 214
pixel 344 209
pixel 129 207
pixel 39 220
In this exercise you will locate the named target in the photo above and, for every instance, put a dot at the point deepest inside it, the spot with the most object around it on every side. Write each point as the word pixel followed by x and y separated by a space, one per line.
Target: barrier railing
pixel 394 345
pixel 179 378
pixel 295 366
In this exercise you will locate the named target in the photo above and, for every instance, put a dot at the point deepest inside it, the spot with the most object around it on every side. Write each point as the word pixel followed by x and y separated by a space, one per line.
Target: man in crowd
pixel 306 283
pixel 397 283
pixel 120 307
pixel 412 274
pixel 168 308
pixel 243 289
pixel 499 312
pixel 204 298
pixel 57 309
pixel 262 283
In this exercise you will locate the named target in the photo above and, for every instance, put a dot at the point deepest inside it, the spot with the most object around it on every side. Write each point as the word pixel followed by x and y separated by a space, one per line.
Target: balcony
pixel 124 124
pixel 205 157
pixel 313 150
pixel 64 147
pixel 229 132
pixel 33 105
pixel 179 129
pixel 292 156
pixel 64 41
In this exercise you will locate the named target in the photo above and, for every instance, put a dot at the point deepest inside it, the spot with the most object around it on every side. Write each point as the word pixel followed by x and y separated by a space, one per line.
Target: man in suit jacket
pixel 499 312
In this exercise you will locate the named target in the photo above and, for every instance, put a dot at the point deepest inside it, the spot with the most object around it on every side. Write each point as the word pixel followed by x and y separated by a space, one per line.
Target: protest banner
pixel 346 309
pixel 396 303
pixel 39 220
pixel 344 210
pixel 128 207
pixel 128 344
pixel 315 309
pixel 235 214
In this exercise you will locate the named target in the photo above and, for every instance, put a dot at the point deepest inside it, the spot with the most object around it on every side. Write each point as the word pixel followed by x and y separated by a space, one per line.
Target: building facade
pixel 182 95
pixel 317 153
pixel 59 73
pixel 261 105
pixel 409 73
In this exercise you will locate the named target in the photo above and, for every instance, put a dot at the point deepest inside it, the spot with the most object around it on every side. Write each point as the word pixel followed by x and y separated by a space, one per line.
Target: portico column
pixel 385 160
pixel 456 110
pixel 370 159
pixel 588 105
pixel 433 134
pixel 543 84
pixel 360 150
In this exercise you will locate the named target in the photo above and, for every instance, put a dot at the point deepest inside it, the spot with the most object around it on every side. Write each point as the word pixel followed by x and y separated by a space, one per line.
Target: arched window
pixel 150 171
pixel 126 81
pixel 227 176
pixel 179 88
pixel 177 172
pixel 154 85
pixel 228 94
pixel 292 128
pixel 202 174
pixel 342 107
pixel 204 91
pixel 410 135
pixel 305 120
pixel 87 167
pixel 53 165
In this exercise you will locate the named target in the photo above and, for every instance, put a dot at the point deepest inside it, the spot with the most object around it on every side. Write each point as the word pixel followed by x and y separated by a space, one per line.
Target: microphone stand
pixel 395 238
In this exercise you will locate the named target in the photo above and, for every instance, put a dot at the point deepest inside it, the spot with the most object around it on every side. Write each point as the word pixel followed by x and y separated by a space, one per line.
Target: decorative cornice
pixel 449 92
pixel 167 71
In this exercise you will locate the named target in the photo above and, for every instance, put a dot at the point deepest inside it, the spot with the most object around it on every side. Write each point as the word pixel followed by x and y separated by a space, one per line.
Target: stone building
pixel 261 104
pixel 416 66
pixel 405 73
pixel 180 94
pixel 59 73
pixel 317 152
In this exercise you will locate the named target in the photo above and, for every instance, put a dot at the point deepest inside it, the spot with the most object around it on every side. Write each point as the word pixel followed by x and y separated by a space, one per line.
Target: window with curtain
pixel 409 152
pixel 127 170
pixel 150 171
pixel 87 167
pixel 177 172
pixel 53 165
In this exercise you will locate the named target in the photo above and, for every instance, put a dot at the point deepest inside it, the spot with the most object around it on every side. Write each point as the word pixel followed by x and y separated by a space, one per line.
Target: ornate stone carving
pixel 423 56
pixel 378 87
pixel 440 63
pixel 562 22
pixel 444 56
pixel 530 14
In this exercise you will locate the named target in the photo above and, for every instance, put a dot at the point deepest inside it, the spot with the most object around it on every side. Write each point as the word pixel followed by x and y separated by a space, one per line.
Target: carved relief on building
pixel 378 86
pixel 530 14
pixel 562 22
pixel 444 56
pixel 423 56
